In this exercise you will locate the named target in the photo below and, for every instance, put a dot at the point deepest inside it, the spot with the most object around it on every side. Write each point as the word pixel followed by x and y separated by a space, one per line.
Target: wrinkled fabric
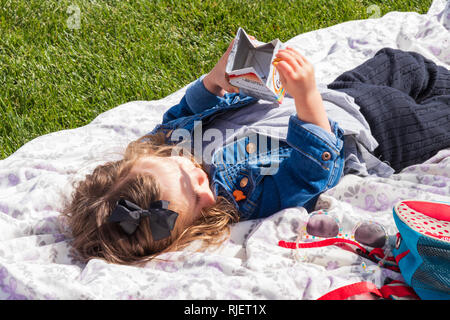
pixel 35 257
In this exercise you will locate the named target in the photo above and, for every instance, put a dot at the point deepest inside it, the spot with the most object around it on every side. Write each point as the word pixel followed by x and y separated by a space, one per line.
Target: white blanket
pixel 35 262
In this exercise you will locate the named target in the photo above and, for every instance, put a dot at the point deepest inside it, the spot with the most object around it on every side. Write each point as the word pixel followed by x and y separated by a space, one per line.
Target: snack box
pixel 250 68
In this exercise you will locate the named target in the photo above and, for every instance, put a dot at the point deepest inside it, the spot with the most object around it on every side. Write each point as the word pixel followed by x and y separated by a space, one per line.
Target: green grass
pixel 53 77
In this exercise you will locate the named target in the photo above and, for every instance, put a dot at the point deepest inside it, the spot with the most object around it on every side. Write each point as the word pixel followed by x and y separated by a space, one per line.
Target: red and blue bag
pixel 422 249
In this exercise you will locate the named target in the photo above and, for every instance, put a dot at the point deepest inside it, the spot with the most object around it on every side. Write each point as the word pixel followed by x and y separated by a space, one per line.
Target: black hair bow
pixel 161 219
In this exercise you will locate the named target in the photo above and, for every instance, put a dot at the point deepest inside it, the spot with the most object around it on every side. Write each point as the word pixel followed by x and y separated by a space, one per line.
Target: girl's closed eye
pixel 197 198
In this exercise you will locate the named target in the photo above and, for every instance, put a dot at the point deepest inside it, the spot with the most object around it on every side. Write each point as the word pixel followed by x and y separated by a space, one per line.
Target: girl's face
pixel 181 182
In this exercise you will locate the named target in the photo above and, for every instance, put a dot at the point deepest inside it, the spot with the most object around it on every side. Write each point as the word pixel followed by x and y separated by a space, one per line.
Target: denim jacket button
pixel 243 182
pixel 326 156
pixel 250 147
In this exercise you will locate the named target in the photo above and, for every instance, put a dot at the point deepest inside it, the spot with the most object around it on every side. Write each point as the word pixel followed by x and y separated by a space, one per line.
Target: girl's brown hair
pixel 94 198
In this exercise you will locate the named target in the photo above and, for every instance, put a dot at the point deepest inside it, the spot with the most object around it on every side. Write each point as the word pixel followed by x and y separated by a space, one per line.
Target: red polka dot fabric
pixel 420 216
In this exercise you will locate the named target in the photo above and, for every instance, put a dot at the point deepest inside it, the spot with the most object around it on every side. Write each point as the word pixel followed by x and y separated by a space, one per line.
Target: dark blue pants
pixel 406 101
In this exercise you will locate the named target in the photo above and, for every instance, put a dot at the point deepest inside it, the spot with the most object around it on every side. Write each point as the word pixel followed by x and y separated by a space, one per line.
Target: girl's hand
pixel 297 76
pixel 216 81
pixel 296 73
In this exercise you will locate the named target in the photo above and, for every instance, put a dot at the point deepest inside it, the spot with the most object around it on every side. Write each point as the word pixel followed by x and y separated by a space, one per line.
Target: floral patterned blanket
pixel 35 259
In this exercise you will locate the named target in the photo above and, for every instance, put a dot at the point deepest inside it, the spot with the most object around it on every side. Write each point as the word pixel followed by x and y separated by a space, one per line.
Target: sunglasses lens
pixel 371 234
pixel 322 225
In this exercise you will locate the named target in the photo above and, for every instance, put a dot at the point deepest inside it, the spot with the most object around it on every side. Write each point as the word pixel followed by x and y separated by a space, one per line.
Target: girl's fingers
pixel 232 90
pixel 282 78
pixel 301 59
pixel 228 87
pixel 289 58
pixel 284 69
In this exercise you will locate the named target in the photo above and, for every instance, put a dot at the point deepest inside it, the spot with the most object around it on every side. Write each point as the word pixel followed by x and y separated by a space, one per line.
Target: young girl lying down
pixel 220 156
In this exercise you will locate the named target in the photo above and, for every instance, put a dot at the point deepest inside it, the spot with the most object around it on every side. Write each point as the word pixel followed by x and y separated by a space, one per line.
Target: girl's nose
pixel 200 176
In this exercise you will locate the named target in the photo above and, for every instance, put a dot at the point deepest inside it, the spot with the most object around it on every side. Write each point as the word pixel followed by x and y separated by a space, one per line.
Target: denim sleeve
pixel 196 99
pixel 314 165
pixel 313 142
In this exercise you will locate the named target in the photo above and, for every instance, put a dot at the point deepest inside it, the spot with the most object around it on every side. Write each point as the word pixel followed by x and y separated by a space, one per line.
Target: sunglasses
pixel 321 225
pixel 322 229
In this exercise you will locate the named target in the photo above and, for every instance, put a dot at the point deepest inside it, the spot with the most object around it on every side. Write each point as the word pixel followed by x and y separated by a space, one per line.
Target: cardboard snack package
pixel 249 67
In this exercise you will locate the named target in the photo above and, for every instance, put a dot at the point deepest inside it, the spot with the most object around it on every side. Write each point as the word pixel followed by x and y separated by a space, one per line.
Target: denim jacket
pixel 261 179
